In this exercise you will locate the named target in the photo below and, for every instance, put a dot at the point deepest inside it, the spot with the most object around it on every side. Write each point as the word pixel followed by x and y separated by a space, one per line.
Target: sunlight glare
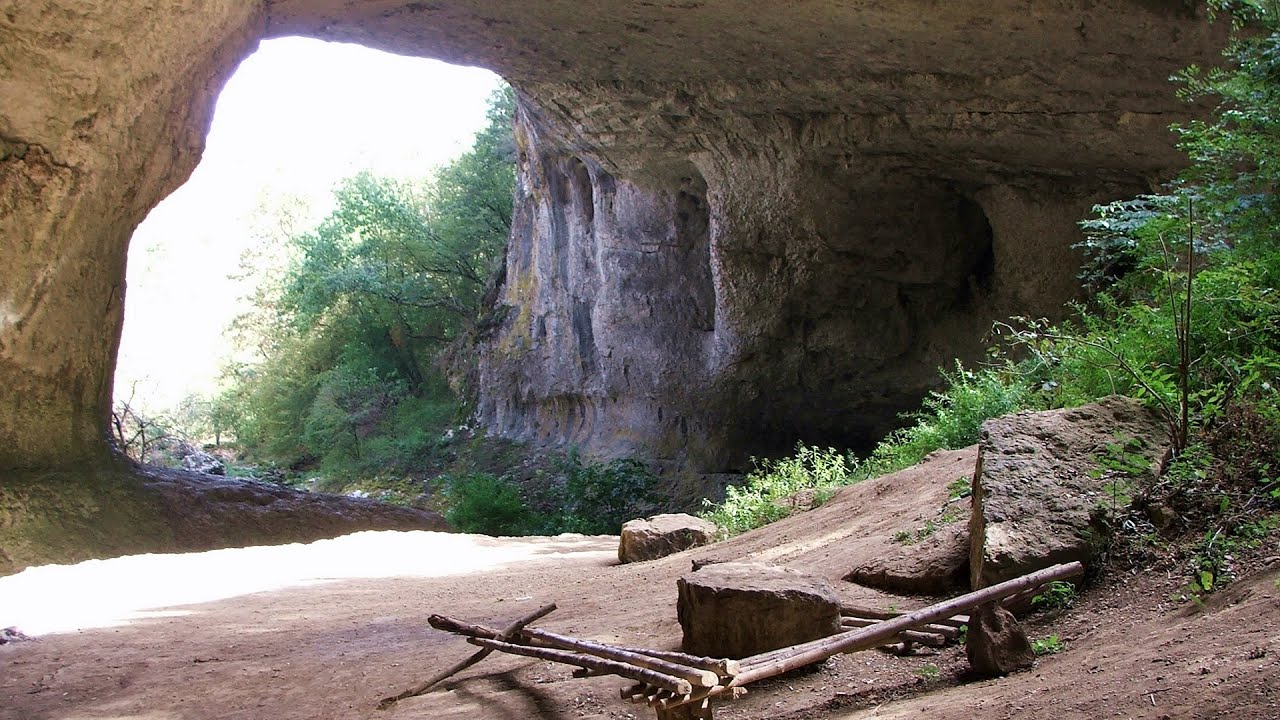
pixel 106 593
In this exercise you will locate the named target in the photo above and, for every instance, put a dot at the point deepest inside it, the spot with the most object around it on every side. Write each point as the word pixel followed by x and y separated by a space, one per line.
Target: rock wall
pixel 738 224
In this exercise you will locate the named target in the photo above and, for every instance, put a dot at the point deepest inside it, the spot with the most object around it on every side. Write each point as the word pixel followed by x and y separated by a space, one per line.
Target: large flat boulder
pixel 935 565
pixel 1045 484
pixel 662 535
pixel 735 610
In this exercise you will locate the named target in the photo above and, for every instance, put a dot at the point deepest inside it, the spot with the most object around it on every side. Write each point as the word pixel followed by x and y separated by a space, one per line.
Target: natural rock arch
pixel 733 218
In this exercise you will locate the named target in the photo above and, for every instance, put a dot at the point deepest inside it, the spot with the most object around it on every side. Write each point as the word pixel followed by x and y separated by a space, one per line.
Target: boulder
pixel 935 565
pixel 662 535
pixel 1041 492
pixel 996 644
pixel 735 610
pixel 202 462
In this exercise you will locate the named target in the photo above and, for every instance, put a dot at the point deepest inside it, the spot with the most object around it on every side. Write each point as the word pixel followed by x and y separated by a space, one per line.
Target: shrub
pixel 952 418
pixel 597 498
pixel 771 490
pixel 487 504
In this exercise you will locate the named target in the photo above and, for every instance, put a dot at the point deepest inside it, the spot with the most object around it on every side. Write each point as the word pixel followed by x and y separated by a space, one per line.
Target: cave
pixel 737 225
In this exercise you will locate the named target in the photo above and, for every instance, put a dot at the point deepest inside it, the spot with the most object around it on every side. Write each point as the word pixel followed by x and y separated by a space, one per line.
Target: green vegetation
pixel 343 345
pixel 929 672
pixel 1057 595
pixel 778 488
pixel 960 488
pixel 572 496
pixel 952 418
pixel 1050 645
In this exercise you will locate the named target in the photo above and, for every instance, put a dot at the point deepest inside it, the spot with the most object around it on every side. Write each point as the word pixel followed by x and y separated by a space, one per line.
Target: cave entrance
pixel 297 118
pixel 891 283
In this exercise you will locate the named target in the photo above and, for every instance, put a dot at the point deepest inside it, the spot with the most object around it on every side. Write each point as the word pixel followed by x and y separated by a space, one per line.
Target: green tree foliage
pixel 342 343
pixel 1186 314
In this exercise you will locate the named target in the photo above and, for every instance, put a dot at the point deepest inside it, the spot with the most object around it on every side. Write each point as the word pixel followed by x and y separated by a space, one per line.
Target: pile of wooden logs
pixel 680 686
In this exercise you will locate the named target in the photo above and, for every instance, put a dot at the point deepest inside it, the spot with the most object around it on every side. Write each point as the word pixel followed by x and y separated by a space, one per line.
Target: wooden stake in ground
pixel 504 634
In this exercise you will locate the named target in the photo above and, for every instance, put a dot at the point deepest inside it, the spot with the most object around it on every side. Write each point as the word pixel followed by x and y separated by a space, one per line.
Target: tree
pixel 370 297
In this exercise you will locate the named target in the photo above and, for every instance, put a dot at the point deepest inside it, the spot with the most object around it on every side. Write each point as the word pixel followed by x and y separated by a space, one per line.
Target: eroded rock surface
pixel 734 610
pixel 1042 484
pixel 662 535
pixel 734 222
pixel 68 516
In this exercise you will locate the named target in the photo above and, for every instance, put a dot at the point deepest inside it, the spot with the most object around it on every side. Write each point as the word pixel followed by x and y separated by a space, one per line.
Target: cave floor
pixel 327 629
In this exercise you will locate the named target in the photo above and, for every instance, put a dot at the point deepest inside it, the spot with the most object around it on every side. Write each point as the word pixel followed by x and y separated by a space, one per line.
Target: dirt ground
pixel 325 630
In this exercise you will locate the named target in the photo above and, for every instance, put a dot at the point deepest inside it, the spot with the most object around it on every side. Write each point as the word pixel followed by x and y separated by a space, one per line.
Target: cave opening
pixel 879 297
pixel 297 119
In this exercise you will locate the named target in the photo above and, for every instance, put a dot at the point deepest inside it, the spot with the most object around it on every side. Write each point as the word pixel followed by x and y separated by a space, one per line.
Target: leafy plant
pixel 1057 595
pixel 597 498
pixel 773 489
pixel 1049 645
pixel 951 418
pixel 960 488
pixel 487 504
pixel 929 672
pixel 337 365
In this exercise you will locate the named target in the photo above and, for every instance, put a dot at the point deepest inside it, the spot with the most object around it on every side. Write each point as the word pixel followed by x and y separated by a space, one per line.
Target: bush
pixel 952 418
pixel 487 504
pixel 597 498
pixel 772 490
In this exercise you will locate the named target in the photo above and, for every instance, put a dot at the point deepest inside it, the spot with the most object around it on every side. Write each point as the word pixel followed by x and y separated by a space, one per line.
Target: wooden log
pixel 697 696
pixel 679 686
pixel 632 690
pixel 462 627
pixel 696 677
pixel 754 668
pixel 458 667
pixel 954 621
pixel 721 666
pixel 943 631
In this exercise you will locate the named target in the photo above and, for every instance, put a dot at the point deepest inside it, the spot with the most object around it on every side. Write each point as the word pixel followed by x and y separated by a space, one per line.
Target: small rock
pixel 662 535
pixel 1161 515
pixel 734 610
pixel 996 644
pixel 12 635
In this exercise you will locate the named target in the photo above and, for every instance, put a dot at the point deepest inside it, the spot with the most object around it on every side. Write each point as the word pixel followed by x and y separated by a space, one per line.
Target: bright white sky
pixel 297 117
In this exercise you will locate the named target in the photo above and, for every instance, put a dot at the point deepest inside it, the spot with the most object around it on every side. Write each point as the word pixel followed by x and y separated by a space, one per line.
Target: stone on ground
pixel 996 644
pixel 734 610
pixel 202 462
pixel 935 565
pixel 662 535
pixel 1040 489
